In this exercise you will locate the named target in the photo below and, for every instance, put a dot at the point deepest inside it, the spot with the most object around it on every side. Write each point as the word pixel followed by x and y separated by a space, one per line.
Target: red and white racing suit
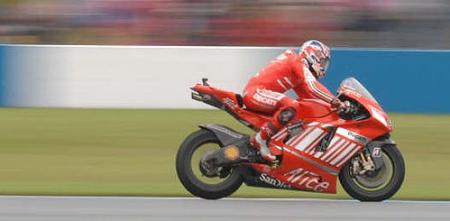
pixel 265 92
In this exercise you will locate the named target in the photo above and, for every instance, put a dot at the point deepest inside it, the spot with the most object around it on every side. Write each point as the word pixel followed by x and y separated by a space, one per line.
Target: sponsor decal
pixel 224 130
pixel 207 97
pixel 352 135
pixel 229 103
pixel 231 152
pixel 273 182
pixel 376 152
pixel 358 137
pixel 264 100
pixel 309 180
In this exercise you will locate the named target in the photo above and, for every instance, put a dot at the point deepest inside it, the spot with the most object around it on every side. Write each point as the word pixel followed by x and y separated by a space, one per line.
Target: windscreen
pixel 354 85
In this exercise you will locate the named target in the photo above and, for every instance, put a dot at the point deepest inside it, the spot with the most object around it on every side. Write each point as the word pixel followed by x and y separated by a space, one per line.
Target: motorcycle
pixel 319 147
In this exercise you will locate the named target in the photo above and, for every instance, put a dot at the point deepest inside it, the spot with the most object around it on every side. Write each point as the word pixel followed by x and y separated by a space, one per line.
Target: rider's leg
pixel 281 117
pixel 283 110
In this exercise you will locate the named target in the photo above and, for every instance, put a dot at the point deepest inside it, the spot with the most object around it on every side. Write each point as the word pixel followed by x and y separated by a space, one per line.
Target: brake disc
pixel 376 179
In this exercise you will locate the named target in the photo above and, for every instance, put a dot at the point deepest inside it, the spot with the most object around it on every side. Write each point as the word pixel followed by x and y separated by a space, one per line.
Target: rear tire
pixel 356 188
pixel 190 181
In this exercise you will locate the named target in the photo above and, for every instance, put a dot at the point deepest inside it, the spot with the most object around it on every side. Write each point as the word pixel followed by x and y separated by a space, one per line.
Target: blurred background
pixel 340 23
pixel 107 120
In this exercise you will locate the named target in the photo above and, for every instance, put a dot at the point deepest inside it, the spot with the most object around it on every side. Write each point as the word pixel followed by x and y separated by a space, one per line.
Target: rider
pixel 299 73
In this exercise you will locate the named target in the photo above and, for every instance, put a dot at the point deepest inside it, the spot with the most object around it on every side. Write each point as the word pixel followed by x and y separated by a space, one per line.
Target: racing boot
pixel 260 142
pixel 261 139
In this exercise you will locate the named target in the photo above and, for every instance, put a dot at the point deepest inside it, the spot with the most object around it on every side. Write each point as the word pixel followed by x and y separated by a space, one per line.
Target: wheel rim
pixel 195 159
pixel 380 179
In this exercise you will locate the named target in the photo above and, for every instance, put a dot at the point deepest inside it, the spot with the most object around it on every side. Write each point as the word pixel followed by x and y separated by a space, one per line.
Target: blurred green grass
pixel 132 152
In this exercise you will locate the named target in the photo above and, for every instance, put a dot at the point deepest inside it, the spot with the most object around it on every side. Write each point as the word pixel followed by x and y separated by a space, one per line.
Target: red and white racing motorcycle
pixel 321 146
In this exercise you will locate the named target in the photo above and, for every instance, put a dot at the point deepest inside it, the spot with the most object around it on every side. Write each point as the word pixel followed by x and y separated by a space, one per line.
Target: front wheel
pixel 194 178
pixel 377 186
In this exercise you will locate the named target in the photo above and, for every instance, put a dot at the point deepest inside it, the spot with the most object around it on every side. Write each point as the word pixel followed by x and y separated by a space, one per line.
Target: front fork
pixel 370 159
pixel 363 163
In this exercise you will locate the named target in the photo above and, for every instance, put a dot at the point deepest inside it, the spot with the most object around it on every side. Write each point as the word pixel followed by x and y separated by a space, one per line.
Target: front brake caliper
pixel 362 164
pixel 366 162
pixel 356 166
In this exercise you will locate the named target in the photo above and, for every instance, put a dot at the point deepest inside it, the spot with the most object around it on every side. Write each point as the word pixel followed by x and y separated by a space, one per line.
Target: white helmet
pixel 317 55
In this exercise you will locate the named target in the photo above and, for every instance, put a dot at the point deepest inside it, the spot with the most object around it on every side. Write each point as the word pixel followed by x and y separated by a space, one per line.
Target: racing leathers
pixel 265 93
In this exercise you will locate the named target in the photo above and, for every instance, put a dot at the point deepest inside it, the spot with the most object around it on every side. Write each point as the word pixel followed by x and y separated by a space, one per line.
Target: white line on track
pixel 226 199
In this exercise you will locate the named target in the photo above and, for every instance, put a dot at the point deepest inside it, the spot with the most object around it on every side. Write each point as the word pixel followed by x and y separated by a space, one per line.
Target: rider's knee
pixel 286 115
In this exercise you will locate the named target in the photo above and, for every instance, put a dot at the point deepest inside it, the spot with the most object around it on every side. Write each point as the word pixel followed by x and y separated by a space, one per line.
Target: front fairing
pixel 377 116
pixel 378 119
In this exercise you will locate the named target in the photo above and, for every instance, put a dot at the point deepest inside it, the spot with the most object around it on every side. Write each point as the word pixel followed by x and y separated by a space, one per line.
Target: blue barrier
pixel 2 76
pixel 401 80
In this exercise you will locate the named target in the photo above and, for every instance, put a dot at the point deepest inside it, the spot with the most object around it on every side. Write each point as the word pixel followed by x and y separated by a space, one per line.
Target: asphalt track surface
pixel 14 208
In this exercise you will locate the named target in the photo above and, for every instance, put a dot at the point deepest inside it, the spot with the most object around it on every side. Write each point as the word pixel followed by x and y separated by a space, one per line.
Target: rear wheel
pixel 194 178
pixel 377 185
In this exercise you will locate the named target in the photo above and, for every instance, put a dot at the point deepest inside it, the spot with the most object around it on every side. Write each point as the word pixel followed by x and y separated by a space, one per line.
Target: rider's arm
pixel 319 91
pixel 313 86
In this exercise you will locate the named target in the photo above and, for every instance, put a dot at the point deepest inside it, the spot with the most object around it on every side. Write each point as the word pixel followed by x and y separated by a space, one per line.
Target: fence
pixel 160 76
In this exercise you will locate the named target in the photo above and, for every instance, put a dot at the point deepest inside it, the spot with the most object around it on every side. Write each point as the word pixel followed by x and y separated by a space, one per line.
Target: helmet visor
pixel 325 63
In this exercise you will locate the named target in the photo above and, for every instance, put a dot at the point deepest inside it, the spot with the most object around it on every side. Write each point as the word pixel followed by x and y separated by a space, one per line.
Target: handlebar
pixel 349 108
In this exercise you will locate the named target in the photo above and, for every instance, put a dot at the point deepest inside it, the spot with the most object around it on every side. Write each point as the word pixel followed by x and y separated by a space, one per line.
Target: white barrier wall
pixel 160 77
pixel 128 77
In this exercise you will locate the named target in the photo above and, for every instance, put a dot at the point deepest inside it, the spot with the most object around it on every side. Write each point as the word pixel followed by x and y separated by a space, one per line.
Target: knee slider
pixel 286 115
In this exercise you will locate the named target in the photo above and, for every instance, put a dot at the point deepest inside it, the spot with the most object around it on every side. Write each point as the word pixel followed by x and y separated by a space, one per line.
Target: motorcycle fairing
pixel 306 168
pixel 255 178
pixel 297 172
pixel 229 102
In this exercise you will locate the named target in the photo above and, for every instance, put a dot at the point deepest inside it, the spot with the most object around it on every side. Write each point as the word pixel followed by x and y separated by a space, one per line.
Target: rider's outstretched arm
pixel 313 86
pixel 319 90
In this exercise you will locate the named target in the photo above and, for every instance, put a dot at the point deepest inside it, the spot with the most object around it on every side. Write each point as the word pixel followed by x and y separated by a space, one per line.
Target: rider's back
pixel 279 75
pixel 289 71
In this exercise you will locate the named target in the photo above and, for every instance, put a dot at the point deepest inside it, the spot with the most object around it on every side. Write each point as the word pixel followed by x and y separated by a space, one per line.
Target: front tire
pixel 185 172
pixel 373 188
